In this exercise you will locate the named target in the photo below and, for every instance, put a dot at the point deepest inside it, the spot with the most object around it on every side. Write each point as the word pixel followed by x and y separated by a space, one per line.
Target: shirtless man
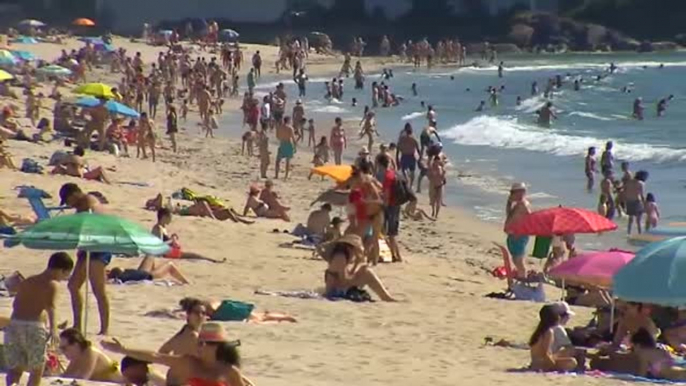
pixel 517 207
pixel 72 196
pixel 606 196
pixel 408 148
pixel 634 194
pixel 286 136
pixel 26 338
pixel 271 198
pixel 298 117
pixel 98 116
pixel 546 115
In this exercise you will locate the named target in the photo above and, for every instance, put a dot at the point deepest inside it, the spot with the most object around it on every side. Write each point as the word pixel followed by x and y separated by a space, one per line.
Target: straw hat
pixel 517 186
pixel 350 239
pixel 212 332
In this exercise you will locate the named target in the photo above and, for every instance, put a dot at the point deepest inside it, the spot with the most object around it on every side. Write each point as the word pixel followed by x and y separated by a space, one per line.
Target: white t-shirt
pixel 560 339
pixel 266 112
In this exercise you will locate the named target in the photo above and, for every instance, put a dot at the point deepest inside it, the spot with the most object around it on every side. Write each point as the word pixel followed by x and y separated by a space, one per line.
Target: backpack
pixel 402 193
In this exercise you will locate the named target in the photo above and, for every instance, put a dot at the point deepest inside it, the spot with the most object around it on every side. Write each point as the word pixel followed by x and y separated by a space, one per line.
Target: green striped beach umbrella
pixel 89 232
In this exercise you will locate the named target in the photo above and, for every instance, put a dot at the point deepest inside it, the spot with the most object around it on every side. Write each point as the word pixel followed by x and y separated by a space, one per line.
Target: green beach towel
pixel 232 311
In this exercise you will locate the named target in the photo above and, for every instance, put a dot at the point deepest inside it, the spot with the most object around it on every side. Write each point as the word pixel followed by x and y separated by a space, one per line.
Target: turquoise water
pixel 491 149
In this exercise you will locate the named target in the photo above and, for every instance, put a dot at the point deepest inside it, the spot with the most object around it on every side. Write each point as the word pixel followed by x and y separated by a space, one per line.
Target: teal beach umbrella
pixel 89 232
pixel 656 275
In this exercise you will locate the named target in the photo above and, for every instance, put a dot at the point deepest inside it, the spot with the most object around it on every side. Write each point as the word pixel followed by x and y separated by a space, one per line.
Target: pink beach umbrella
pixel 594 268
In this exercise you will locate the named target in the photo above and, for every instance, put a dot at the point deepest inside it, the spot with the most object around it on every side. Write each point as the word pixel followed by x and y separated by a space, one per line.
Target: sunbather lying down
pixel 164 218
pixel 200 208
pixel 149 269
pixel 10 220
pixel 73 165
pixel 216 310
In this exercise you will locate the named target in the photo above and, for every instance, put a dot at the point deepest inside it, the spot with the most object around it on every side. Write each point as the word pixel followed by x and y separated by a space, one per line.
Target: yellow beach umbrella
pixel 99 90
pixel 339 173
pixel 4 75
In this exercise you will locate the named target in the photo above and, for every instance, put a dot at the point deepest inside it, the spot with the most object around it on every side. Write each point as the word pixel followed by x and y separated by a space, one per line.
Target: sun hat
pixel 350 239
pixel 517 186
pixel 212 332
pixel 363 151
pixel 563 308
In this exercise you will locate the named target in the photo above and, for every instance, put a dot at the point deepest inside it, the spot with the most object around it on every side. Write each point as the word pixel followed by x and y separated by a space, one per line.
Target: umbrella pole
pixel 612 313
pixel 85 311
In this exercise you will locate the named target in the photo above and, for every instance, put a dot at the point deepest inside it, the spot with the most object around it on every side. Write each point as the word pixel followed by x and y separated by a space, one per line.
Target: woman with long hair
pixel 541 342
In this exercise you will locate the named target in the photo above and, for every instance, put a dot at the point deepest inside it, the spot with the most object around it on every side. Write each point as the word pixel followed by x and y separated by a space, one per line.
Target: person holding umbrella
pixel 517 207
pixel 72 196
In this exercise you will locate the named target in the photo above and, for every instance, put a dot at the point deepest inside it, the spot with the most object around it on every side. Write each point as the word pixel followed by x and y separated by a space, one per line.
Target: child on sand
pixel 248 139
pixel 652 211
pixel 184 109
pixel 311 133
pixel 26 338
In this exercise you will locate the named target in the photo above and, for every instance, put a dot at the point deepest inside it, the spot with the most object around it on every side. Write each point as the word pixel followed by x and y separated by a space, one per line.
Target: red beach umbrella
pixel 560 221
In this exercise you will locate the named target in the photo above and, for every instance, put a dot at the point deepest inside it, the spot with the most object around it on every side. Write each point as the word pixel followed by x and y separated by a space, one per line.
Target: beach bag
pixel 232 311
pixel 529 292
pixel 29 165
pixel 402 193
pixel 541 247
pixel 358 295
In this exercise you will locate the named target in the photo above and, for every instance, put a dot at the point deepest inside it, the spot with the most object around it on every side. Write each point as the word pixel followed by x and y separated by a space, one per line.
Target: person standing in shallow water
pixel 517 206
pixel 590 168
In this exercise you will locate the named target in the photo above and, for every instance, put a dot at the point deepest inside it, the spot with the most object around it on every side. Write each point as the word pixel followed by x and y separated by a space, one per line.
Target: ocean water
pixel 489 150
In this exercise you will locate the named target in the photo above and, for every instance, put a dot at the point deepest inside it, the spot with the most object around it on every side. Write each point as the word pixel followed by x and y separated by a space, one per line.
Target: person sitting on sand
pixel 214 311
pixel 73 165
pixel 8 220
pixel 636 316
pixel 216 362
pixel 345 270
pixel 260 208
pixel 8 126
pixel 318 220
pixel 655 361
pixel 541 344
pixel 271 198
pixel 6 160
pixel 416 214
pixel 149 269
pixel 85 361
pixel 164 218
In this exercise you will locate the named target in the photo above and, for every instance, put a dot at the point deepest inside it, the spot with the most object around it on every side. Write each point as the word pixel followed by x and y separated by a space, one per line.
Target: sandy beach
pixel 435 335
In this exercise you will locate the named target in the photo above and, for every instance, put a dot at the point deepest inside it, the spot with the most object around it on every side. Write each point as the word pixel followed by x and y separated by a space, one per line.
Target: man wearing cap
pixel 72 196
pixel 362 156
pixel 517 206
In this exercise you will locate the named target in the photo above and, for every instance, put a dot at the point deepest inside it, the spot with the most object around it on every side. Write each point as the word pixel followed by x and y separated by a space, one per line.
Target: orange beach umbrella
pixel 83 22
pixel 339 173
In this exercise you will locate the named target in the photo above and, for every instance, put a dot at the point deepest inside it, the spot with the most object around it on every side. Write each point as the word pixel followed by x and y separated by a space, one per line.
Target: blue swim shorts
pixel 517 246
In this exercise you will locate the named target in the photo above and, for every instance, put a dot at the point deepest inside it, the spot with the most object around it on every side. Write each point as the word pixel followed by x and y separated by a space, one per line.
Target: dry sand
pixel 435 336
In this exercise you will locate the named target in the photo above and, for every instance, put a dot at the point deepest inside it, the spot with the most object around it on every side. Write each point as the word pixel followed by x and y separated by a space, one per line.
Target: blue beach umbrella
pixel 228 35
pixel 111 106
pixel 25 40
pixel 656 275
pixel 24 55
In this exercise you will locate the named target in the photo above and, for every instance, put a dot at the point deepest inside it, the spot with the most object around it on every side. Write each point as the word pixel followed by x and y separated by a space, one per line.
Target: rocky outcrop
pixel 548 30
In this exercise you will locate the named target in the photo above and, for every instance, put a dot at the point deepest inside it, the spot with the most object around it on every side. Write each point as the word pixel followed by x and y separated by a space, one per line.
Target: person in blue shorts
pixel 72 196
pixel 286 135
pixel 408 149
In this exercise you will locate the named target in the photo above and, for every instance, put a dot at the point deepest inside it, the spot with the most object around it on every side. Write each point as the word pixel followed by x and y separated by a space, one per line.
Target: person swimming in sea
pixel 546 115
pixel 414 89
pixel 534 88
pixel 638 109
pixel 481 107
pixel 662 105
pixel 519 101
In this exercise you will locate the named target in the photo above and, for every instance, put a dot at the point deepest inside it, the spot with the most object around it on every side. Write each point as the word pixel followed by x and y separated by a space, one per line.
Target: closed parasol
pixel 560 221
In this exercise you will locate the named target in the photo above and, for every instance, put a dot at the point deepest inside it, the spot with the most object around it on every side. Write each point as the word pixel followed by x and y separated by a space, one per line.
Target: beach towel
pixel 304 294
pixel 26 191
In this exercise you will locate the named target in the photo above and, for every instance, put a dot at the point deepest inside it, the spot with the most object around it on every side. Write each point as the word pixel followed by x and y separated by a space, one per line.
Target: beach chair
pixel 35 198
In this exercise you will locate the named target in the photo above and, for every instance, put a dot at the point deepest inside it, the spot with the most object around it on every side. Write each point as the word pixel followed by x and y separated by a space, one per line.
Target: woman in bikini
pixel 260 208
pixel 436 175
pixel 216 362
pixel 73 165
pixel 365 195
pixel 346 271
pixel 85 361
pixel 338 140
pixel 149 269
pixel 541 342
pixel 655 361
pixel 164 218
pixel 146 136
